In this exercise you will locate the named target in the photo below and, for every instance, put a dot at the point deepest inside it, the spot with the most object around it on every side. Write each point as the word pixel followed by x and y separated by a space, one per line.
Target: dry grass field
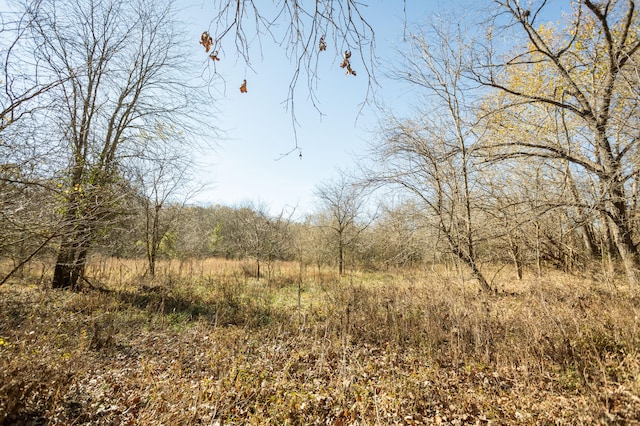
pixel 205 343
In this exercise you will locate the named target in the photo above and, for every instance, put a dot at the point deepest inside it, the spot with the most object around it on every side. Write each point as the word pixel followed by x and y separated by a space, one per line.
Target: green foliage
pixel 167 245
pixel 215 237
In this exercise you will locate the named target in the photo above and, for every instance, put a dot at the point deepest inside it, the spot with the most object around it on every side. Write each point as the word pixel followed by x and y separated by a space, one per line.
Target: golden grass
pixel 207 343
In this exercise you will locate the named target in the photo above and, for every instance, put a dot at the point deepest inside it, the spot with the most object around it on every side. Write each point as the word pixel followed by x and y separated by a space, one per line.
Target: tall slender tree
pixel 344 204
pixel 430 156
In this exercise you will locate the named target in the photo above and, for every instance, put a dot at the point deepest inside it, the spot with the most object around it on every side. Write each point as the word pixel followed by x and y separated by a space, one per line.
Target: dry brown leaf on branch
pixel 243 87
pixel 322 45
pixel 350 71
pixel 214 56
pixel 206 41
pixel 345 61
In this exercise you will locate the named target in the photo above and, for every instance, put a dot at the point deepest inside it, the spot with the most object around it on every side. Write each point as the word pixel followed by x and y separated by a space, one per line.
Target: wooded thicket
pixel 522 149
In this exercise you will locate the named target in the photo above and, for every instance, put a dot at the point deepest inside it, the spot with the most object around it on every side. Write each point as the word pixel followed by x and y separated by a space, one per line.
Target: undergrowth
pixel 220 347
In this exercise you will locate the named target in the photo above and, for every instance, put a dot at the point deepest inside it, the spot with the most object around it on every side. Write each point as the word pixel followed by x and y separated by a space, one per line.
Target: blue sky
pixel 257 128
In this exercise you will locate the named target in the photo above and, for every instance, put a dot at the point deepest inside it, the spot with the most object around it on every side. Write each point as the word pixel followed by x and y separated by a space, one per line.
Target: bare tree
pixel 431 156
pixel 26 191
pixel 22 83
pixel 162 177
pixel 525 204
pixel 569 93
pixel 344 204
pixel 251 232
pixel 120 64
pixel 397 238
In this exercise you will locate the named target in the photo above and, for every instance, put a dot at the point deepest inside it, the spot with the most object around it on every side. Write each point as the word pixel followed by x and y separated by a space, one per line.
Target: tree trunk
pixel 153 250
pixel 617 201
pixel 470 262
pixel 73 251
pixel 517 261
pixel 588 236
pixel 340 257
pixel 622 233
pixel 477 274
pixel 626 249
pixel 514 249
pixel 152 263
pixel 65 275
pixel 69 266
pixel 589 239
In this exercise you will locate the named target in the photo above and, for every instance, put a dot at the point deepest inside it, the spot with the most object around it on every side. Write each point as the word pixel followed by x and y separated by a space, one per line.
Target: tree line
pixel 522 147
